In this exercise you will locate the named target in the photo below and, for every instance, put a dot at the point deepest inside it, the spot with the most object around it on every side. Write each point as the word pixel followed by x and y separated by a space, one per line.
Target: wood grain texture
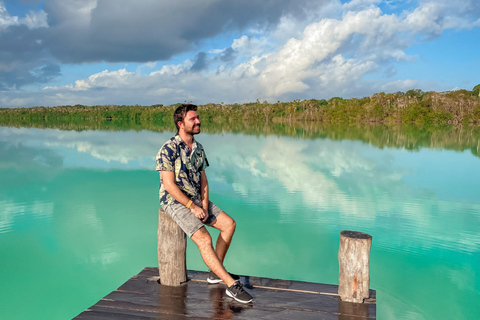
pixel 172 247
pixel 354 265
pixel 141 297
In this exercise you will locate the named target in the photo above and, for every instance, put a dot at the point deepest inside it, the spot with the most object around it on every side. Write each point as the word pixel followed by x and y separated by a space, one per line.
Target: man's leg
pixel 227 226
pixel 203 240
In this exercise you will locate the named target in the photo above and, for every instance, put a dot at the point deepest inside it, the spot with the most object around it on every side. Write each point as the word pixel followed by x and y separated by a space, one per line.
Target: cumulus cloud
pixel 70 31
pixel 249 46
pixel 311 63
pixel 293 49
pixel 356 5
pixel 322 43
pixel 149 30
pixel 6 19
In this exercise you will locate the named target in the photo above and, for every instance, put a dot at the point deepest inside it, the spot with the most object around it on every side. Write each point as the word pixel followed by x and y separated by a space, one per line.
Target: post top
pixel 355 234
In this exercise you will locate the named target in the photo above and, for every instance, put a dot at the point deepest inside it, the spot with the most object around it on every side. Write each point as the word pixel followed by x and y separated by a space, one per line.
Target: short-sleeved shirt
pixel 176 156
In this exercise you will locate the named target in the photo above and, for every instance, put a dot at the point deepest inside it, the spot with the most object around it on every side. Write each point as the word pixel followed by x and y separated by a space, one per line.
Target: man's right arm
pixel 168 180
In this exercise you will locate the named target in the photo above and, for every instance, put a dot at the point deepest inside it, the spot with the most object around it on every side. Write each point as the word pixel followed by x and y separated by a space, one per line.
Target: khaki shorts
pixel 187 220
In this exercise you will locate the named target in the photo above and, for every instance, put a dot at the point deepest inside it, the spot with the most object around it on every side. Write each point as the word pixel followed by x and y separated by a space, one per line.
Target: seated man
pixel 184 197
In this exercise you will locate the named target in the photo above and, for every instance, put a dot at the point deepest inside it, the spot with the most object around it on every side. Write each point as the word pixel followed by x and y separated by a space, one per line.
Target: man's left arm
pixel 204 190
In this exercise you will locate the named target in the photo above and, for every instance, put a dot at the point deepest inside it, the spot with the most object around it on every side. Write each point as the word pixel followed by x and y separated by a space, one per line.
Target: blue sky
pixel 66 52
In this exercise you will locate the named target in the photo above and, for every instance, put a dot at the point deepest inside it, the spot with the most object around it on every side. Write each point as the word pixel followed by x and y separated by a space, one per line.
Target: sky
pixel 92 52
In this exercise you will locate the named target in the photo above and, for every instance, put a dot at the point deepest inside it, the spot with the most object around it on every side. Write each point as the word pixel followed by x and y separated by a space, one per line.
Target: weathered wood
pixel 172 246
pixel 142 298
pixel 352 311
pixel 354 263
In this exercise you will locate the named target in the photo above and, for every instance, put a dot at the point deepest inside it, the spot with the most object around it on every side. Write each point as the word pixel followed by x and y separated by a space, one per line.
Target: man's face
pixel 191 123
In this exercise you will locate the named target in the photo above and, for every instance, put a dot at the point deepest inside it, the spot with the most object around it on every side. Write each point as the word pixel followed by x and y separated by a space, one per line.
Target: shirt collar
pixel 180 140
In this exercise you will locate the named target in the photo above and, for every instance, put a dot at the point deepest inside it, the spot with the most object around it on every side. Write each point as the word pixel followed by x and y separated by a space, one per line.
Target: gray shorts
pixel 187 220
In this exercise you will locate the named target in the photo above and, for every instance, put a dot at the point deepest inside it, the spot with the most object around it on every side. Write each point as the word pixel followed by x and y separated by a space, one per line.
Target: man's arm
pixel 204 190
pixel 168 180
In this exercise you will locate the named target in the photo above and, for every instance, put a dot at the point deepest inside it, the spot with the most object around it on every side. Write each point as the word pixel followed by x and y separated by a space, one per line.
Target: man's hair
pixel 181 112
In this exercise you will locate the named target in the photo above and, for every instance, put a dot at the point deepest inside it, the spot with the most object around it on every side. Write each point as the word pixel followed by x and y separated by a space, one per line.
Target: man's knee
pixel 201 237
pixel 228 224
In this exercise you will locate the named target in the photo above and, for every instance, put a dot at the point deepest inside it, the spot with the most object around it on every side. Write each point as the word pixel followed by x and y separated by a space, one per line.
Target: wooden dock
pixel 141 297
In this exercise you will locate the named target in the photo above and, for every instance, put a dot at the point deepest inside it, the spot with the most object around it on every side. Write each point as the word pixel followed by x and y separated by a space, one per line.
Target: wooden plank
pixel 220 310
pixel 107 314
pixel 141 297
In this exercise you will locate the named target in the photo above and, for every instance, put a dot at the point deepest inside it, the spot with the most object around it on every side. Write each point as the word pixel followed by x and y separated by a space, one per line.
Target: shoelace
pixel 237 287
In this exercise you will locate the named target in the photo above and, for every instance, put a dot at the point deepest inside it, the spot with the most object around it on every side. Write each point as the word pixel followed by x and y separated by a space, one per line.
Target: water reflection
pixel 91 199
pixel 21 214
pixel 224 307
pixel 339 183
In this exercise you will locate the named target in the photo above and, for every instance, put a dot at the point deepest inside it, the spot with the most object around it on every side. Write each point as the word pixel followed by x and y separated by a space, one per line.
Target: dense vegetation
pixel 413 106
pixel 410 120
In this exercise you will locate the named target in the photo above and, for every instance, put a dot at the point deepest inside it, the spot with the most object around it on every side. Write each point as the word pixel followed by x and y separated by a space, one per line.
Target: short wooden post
pixel 172 247
pixel 354 261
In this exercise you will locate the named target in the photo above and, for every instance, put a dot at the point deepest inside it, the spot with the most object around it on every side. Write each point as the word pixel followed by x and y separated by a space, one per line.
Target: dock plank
pixel 141 297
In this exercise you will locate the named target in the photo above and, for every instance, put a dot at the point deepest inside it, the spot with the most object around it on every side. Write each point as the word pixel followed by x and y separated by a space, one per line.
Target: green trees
pixel 413 106
pixel 476 90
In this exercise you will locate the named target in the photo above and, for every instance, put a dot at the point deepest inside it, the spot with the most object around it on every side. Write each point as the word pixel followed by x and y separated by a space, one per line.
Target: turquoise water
pixel 78 217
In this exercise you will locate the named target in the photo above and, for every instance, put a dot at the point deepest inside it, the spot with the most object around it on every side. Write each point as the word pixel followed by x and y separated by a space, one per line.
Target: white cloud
pixel 356 5
pixel 216 51
pixel 107 79
pixel 174 69
pixel 148 65
pixel 426 18
pixel 33 19
pixel 6 19
pixel 325 54
pixel 299 58
pixel 16 102
pixel 434 16
pixel 249 46
pixel 400 85
pixel 315 59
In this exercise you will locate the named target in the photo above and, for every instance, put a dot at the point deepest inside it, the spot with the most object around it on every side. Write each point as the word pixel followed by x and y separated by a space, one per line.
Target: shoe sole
pixel 236 299
pixel 214 281
pixel 218 280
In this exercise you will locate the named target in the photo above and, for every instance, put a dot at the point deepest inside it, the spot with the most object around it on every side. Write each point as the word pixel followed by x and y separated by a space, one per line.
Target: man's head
pixel 186 118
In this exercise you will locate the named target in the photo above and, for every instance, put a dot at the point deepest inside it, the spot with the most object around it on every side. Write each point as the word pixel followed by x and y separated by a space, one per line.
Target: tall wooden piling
pixel 172 246
pixel 354 262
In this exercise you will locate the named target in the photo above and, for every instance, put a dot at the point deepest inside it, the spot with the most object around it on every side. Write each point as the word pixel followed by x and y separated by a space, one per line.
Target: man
pixel 184 197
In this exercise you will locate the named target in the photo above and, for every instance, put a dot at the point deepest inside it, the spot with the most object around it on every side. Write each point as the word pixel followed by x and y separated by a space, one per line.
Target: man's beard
pixel 195 130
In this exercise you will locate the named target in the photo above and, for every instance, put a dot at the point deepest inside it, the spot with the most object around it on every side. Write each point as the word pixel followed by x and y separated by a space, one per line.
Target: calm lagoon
pixel 78 215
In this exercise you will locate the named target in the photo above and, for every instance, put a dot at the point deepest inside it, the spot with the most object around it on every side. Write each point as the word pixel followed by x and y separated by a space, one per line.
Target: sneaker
pixel 237 292
pixel 213 278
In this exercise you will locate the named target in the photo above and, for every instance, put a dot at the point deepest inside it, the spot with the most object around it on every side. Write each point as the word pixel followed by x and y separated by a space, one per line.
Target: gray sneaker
pixel 213 278
pixel 237 292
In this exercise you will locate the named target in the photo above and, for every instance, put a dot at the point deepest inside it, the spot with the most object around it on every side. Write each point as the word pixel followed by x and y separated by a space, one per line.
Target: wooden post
pixel 354 260
pixel 172 247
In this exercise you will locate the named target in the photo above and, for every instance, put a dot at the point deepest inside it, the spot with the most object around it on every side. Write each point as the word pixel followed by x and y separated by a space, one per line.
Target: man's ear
pixel 180 124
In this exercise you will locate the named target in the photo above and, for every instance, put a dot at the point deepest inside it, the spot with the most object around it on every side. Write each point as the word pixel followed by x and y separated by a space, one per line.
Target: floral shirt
pixel 187 164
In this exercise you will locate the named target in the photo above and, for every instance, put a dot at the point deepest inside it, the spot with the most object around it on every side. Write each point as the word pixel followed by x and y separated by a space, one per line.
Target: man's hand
pixel 200 213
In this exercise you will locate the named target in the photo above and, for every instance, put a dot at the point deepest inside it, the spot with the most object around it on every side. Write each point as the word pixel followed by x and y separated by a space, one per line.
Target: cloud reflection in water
pixel 343 184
